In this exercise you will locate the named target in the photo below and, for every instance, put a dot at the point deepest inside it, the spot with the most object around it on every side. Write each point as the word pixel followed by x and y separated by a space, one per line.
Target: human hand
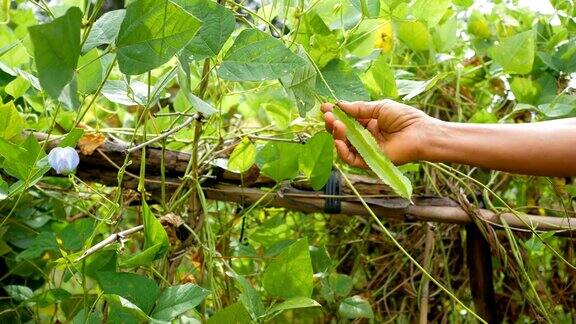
pixel 399 129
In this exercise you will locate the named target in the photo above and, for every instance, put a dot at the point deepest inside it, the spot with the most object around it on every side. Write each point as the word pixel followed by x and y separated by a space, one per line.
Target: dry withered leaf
pixel 171 219
pixel 172 224
pixel 189 278
pixel 90 142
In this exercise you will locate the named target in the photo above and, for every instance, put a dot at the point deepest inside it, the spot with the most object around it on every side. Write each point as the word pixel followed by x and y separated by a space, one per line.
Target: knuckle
pixel 385 103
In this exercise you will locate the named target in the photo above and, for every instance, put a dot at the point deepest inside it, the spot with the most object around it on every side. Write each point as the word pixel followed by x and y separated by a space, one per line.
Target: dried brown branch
pixel 116 237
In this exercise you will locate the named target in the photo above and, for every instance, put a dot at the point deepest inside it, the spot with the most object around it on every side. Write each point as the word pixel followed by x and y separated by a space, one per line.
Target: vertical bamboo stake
pixel 195 216
pixel 195 207
pixel 479 261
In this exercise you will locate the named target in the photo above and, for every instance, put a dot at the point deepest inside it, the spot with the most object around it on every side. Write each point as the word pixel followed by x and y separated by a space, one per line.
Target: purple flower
pixel 63 159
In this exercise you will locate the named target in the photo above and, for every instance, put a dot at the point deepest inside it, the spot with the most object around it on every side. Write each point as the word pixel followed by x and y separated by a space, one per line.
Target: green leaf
pixel 13 52
pixel 321 261
pixel 516 53
pixel 44 241
pixel 300 84
pixel 124 305
pixel 546 83
pixel 422 86
pixel 319 41
pixel 277 244
pixel 294 303
pixel 478 25
pixel 143 258
pixel 316 158
pixel 257 56
pixel 160 87
pixel 69 95
pixel 370 35
pixel 341 284
pixel 380 79
pixel 94 317
pixel 122 93
pixel 217 25
pixel 343 82
pixel 156 242
pixel 11 124
pixel 12 43
pixel 278 160
pixel 564 59
pixel 464 3
pixel 289 274
pixel 483 117
pixel 19 293
pixel 446 36
pixel 271 231
pixel 30 78
pixel 368 8
pixel 90 72
pixel 355 307
pixel 104 30
pixel 75 234
pixel 23 162
pixel 536 245
pixel 525 90
pixel 559 107
pixel 101 261
pixel 233 314
pixel 17 87
pixel 370 151
pixel 250 298
pixel 151 33
pixel 50 297
pixel 12 163
pixel 21 19
pixel 200 105
pixel 414 34
pixel 430 11
pixel 279 112
pixel 139 290
pixel 72 138
pixel 56 50
pixel 243 156
pixel 176 300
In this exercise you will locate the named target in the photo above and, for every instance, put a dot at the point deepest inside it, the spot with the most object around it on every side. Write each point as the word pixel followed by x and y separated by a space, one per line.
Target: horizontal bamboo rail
pixel 102 166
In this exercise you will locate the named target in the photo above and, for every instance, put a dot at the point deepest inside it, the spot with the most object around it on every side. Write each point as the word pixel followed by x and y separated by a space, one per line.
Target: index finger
pixel 360 109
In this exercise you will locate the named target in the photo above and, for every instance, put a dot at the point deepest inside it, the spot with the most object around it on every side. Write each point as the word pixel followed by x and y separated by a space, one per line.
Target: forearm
pixel 545 148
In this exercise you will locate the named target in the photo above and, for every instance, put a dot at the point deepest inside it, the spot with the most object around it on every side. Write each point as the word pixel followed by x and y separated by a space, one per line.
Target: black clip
pixel 333 205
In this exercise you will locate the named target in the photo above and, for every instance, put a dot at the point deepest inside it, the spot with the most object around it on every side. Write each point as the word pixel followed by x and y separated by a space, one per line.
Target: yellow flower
pixel 384 37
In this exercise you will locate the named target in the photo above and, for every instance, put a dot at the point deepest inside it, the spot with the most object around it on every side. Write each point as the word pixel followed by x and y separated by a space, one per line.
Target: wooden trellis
pixel 103 165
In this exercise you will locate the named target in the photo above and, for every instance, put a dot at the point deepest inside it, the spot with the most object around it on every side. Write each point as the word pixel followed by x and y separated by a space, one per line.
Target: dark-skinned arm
pixel 406 134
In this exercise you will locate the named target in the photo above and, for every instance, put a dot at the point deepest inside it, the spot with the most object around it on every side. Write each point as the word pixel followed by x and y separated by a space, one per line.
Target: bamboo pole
pixel 102 167
pixel 431 209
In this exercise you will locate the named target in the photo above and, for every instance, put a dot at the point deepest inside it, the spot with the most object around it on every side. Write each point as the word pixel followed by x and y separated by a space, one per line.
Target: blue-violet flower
pixel 63 159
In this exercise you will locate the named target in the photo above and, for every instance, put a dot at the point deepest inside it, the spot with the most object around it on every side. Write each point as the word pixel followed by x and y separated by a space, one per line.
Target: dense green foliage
pixel 238 85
